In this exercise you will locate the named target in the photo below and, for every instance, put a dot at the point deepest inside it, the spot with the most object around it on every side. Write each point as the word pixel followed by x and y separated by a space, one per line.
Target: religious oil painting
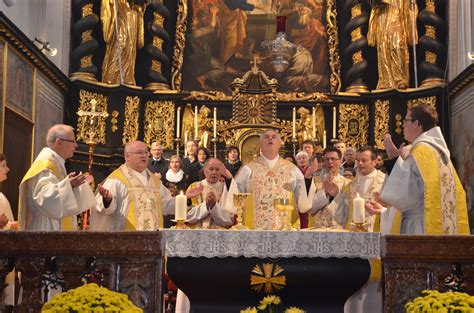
pixel 225 36
pixel 19 85
pixel 462 140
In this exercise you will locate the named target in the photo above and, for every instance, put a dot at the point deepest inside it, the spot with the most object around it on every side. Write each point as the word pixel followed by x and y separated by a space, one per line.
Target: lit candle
pixel 178 117
pixel 358 209
pixel 294 123
pixel 324 140
pixel 181 208
pixel 334 122
pixel 215 122
pixel 313 120
pixel 195 122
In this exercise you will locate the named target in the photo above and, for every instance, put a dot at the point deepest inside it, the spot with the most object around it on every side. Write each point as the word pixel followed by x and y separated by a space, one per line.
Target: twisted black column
pixel 85 20
pixel 432 67
pixel 154 49
pixel 354 78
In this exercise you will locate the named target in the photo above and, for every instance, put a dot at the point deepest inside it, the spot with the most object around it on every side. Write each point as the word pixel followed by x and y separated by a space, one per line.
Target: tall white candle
pixel 185 138
pixel 358 209
pixel 334 122
pixel 195 122
pixel 313 122
pixel 294 123
pixel 215 123
pixel 181 207
pixel 178 117
pixel 324 140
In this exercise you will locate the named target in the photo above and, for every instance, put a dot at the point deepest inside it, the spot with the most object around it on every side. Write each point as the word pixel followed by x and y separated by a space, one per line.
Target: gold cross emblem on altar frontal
pixel 267 278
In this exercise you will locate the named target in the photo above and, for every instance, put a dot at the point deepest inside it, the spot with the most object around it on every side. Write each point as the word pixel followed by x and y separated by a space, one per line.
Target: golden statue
pixel 304 125
pixel 203 122
pixel 391 31
pixel 131 36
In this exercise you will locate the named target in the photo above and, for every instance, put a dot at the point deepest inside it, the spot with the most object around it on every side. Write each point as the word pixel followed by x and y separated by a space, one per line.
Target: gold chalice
pixel 240 200
pixel 283 205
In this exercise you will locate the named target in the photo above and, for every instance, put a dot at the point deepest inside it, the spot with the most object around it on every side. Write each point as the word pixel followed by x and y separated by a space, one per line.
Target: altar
pixel 227 271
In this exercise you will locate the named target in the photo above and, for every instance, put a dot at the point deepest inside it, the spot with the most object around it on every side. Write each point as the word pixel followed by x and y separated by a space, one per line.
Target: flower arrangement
pixel 271 304
pixel 90 298
pixel 441 302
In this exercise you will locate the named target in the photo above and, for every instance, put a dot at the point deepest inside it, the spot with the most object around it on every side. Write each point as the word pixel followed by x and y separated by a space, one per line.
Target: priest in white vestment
pixel 322 191
pixel 267 178
pixel 423 184
pixel 50 198
pixel 212 201
pixel 132 198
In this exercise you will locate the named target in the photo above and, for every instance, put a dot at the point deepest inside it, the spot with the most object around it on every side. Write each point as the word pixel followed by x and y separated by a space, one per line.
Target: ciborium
pixel 240 200
pixel 284 206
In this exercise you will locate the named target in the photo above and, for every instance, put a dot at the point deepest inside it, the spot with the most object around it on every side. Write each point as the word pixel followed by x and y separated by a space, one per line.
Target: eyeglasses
pixel 331 159
pixel 67 140
pixel 408 120
pixel 139 152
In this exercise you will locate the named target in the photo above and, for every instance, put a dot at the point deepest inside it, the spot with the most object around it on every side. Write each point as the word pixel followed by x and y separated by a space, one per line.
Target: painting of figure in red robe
pixel 224 35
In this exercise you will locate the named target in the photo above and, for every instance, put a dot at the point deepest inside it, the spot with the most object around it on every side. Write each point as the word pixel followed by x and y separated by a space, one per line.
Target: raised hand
pixel 194 192
pixel 211 200
pixel 373 207
pixel 390 147
pixel 79 179
pixel 105 193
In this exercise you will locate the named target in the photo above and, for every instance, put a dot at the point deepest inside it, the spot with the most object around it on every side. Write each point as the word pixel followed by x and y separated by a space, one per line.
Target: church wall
pixel 49 20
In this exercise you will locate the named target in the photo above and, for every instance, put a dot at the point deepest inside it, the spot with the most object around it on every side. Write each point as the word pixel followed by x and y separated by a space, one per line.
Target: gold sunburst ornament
pixel 267 278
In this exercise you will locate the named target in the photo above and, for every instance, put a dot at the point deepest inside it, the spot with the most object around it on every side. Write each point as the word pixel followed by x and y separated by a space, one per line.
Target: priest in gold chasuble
pixel 212 204
pixel 423 184
pixel 267 178
pixel 134 197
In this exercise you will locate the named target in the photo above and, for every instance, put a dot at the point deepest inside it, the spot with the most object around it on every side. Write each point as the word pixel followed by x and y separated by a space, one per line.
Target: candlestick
pixel 215 123
pixel 294 123
pixel 358 209
pixel 178 117
pixel 196 122
pixel 181 208
pixel 334 122
pixel 324 140
pixel 313 122
pixel 178 143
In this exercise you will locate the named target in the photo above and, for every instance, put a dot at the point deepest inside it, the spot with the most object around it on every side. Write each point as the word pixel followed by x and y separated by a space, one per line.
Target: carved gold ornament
pixel 114 121
pixel 382 117
pixel 354 124
pixel 130 124
pixel 92 114
pixel 398 123
pixel 178 51
pixel 333 44
pixel 159 123
pixel 422 101
pixel 266 278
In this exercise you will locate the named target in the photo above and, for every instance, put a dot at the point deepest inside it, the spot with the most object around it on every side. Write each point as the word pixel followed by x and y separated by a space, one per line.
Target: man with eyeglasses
pixel 157 163
pixel 50 199
pixel 323 189
pixel 132 197
pixel 423 184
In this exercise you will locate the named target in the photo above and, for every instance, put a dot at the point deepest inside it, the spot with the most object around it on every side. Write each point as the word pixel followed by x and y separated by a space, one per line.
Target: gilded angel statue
pixel 202 121
pixel 304 125
pixel 131 36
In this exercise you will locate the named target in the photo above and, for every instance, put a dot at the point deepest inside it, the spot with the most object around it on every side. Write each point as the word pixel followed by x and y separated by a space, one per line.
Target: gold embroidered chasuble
pixel 324 218
pixel 144 210
pixel 444 197
pixel 217 189
pixel 267 184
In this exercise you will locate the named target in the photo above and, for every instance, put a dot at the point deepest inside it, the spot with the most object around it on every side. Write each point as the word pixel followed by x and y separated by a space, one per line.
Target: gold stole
pixel 265 185
pixel 445 207
pixel 68 222
pixel 144 207
pixel 218 189
pixel 324 218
